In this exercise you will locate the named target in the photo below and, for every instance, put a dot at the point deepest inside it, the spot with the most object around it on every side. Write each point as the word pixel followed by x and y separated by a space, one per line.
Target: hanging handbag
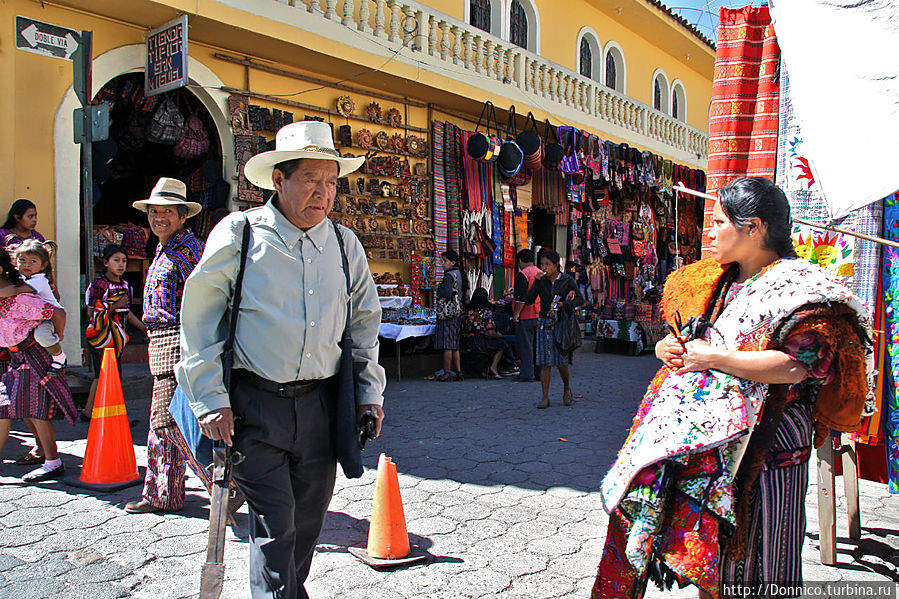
pixel 530 143
pixel 167 124
pixel 511 157
pixel 553 152
pixel 448 307
pixel 482 146
pixel 570 137
pixel 567 332
pixel 347 438
pixel 194 140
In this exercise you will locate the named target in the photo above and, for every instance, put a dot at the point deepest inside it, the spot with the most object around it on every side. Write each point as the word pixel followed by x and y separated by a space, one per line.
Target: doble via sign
pixel 44 38
pixel 166 57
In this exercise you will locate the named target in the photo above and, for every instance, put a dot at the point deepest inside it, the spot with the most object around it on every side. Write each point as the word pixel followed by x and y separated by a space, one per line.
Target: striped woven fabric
pixel 452 144
pixel 476 180
pixel 440 220
pixel 891 328
pixel 744 115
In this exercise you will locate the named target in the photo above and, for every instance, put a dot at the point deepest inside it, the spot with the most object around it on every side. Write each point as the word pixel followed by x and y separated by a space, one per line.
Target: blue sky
pixel 704 13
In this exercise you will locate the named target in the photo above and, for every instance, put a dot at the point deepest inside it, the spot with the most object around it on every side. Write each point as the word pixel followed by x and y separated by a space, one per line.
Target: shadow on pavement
pixel 863 550
pixel 490 433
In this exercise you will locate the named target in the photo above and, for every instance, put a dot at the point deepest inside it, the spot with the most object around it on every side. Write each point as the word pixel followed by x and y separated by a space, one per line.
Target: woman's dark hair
pixel 526 255
pixel 552 256
pixel 113 248
pixel 18 208
pixel 451 255
pixel 757 197
pixel 10 272
pixel 479 299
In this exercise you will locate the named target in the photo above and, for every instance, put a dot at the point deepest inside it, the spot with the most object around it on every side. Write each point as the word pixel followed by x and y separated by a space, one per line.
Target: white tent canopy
pixel 843 60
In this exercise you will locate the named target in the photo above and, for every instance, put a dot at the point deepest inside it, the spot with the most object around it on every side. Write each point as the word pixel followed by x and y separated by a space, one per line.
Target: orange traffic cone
pixel 109 463
pixel 388 541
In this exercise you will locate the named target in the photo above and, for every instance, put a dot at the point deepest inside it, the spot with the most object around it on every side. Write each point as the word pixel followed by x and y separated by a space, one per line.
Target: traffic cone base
pixel 416 555
pixel 109 462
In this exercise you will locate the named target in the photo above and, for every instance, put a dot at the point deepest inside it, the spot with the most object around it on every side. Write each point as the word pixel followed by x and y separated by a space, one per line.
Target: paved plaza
pixel 503 496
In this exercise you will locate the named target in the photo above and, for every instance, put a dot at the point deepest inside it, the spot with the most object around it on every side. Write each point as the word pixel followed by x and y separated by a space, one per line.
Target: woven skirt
pixel 27 392
pixel 447 334
pixel 547 352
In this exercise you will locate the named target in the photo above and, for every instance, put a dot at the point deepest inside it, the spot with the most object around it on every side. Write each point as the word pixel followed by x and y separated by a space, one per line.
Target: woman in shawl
pixel 709 488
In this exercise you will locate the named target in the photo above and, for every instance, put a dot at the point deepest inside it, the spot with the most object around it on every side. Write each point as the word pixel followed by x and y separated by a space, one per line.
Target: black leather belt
pixel 291 389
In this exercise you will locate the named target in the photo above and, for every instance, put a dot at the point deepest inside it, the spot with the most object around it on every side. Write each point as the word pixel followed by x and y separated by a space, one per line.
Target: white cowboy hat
pixel 169 192
pixel 303 139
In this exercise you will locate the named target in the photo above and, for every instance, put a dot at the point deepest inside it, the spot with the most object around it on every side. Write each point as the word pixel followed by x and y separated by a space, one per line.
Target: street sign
pixel 166 57
pixel 44 38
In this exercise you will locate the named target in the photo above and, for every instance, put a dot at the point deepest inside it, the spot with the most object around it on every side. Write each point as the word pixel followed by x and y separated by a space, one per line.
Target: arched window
pixel 615 76
pixel 611 71
pixel 660 89
pixel 480 14
pixel 518 25
pixel 586 61
pixel 678 101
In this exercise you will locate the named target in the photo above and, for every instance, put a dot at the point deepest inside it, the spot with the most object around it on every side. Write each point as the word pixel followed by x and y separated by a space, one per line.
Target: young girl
pixel 33 262
pixel 109 300
pixel 23 393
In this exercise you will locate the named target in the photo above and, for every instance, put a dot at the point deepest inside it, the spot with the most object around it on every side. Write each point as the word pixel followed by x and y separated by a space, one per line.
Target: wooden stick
pixel 684 189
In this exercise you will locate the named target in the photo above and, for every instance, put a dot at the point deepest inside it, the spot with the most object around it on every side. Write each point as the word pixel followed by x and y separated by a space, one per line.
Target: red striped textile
pixel 745 97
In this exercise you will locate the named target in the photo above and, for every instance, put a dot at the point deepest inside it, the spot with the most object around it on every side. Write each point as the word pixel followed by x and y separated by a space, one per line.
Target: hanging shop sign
pixel 44 38
pixel 166 57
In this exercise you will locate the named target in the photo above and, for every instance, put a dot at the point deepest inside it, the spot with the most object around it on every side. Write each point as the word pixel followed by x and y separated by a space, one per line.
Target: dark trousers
pixel 287 479
pixel 525 341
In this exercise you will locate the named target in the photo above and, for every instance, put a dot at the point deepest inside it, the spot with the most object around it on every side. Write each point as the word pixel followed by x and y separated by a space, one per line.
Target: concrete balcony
pixel 416 34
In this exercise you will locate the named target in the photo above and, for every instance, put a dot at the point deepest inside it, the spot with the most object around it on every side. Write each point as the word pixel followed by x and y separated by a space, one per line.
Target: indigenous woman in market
pixel 20 224
pixel 26 391
pixel 450 296
pixel 481 336
pixel 557 291
pixel 709 488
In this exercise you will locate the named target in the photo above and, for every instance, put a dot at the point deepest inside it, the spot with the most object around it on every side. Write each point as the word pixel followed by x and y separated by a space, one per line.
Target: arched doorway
pixel 205 88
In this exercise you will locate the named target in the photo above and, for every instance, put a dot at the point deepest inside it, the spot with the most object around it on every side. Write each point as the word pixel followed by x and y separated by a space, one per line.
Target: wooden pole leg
pixel 850 485
pixel 827 509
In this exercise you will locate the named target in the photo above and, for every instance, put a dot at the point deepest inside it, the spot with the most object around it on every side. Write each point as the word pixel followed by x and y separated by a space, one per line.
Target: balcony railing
pixel 455 45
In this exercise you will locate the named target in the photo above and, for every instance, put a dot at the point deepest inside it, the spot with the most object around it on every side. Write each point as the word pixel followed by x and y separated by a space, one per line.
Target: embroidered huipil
pixel 164 286
pixel 292 311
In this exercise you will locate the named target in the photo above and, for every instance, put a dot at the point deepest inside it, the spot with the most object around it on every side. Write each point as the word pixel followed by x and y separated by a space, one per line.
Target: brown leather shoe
pixel 141 507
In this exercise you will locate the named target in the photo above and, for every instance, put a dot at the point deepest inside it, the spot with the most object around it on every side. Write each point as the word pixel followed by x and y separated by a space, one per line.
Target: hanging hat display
pixel 482 146
pixel 530 143
pixel 511 157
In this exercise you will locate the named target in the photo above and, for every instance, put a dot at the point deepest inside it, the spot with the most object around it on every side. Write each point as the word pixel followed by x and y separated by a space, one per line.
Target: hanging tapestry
pixel 743 122
pixel 891 329
pixel 440 221
pixel 452 143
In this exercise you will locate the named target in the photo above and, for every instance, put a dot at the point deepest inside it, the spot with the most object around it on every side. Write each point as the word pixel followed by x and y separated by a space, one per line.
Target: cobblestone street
pixel 503 496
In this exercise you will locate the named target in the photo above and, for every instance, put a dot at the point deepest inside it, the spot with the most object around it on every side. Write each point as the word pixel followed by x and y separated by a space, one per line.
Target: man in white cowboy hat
pixel 281 408
pixel 176 256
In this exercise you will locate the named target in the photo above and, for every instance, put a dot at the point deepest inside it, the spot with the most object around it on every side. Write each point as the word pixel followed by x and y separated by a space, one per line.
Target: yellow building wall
pixel 36 84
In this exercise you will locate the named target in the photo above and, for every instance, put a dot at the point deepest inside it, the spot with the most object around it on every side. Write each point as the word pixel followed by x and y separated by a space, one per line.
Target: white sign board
pixel 166 57
pixel 44 38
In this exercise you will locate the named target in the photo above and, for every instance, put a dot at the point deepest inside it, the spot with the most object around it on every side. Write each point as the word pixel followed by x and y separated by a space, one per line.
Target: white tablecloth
pixel 399 332
pixel 395 301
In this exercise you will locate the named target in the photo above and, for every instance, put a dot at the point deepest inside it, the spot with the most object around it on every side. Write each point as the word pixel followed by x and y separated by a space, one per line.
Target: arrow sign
pixel 44 38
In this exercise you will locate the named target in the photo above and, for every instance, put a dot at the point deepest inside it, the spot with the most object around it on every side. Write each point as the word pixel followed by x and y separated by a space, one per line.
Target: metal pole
pixel 81 63
pixel 684 189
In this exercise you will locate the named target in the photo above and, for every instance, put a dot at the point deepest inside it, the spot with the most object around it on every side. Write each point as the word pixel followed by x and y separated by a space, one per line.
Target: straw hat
pixel 303 139
pixel 169 192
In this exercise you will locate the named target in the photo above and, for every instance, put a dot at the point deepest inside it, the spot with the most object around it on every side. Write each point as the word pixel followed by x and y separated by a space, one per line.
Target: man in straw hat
pixel 176 256
pixel 281 409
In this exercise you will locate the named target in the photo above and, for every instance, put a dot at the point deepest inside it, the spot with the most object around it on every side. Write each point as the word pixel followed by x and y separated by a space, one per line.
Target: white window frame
pixel 665 86
pixel 533 15
pixel 497 8
pixel 678 89
pixel 620 66
pixel 598 56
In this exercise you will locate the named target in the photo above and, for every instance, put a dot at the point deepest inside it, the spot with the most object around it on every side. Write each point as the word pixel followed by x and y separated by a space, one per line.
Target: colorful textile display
pixel 744 116
pixel 890 285
pixel 441 229
pixel 452 143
